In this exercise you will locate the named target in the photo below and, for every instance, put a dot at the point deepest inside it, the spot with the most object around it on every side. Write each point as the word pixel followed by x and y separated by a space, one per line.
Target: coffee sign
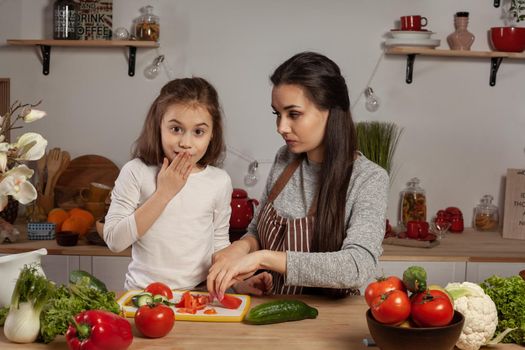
pixel 514 216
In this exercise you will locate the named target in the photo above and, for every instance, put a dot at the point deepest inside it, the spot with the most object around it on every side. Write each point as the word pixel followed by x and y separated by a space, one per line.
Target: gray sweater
pixel 365 213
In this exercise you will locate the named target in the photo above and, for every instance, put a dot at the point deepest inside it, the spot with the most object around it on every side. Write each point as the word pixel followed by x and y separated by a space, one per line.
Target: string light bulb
pixel 152 71
pixel 372 101
pixel 251 178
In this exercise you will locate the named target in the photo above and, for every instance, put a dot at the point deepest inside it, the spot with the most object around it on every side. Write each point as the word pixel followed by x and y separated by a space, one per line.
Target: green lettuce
pixel 509 296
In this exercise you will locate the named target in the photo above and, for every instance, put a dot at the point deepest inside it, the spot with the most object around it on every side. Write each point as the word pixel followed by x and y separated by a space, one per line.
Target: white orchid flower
pixel 34 115
pixel 15 184
pixel 31 146
pixel 4 147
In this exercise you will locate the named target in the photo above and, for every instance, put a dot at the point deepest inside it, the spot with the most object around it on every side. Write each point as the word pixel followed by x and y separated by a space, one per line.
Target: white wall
pixel 460 134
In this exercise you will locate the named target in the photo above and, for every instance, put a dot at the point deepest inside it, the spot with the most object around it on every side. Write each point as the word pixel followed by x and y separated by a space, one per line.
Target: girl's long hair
pixel 323 83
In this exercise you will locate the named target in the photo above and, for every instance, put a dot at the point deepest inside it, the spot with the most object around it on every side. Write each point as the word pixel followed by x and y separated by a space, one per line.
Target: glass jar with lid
pixel 413 204
pixel 486 216
pixel 147 26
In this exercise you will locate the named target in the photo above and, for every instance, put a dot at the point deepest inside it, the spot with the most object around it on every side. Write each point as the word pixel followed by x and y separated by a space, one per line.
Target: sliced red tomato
pixel 231 302
pixel 193 302
pixel 184 310
pixel 381 286
pixel 210 311
pixel 159 288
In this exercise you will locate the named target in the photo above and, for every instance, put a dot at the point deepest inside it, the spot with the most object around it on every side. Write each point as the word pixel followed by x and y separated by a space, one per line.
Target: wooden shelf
pixel 496 57
pixel 45 46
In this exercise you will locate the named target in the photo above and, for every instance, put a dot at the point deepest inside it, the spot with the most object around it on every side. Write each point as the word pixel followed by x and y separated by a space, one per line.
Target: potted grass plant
pixel 378 142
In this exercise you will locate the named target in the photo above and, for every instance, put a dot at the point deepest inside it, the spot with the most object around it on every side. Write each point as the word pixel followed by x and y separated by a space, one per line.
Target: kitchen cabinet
pixel 479 271
pixel 496 57
pixel 45 48
pixel 111 270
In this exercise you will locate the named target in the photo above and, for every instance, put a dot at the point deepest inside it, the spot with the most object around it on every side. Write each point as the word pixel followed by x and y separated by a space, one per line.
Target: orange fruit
pixel 84 214
pixel 75 224
pixel 57 216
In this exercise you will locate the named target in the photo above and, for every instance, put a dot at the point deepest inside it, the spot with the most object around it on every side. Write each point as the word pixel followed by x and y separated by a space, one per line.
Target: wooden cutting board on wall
pixel 514 215
pixel 81 172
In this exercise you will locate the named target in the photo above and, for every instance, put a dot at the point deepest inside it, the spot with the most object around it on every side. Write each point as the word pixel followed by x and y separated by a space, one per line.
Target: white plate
pixel 406 34
pixel 413 42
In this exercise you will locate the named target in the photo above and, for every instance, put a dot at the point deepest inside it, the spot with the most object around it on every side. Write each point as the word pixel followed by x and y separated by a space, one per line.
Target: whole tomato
pixel 381 286
pixel 391 308
pixel 159 288
pixel 432 309
pixel 155 320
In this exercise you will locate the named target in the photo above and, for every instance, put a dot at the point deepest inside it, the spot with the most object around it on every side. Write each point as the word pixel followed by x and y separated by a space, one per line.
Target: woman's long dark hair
pixel 323 83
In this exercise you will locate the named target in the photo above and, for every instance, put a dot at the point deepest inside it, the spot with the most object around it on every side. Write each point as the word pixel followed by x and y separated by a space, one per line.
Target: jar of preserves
pixel 486 216
pixel 147 26
pixel 413 204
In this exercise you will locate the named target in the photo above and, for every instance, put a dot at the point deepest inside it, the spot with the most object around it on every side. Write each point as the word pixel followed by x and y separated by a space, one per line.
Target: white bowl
pixel 410 34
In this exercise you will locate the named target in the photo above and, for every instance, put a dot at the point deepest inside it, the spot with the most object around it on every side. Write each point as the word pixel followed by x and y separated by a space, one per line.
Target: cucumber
pixel 142 299
pixel 159 298
pixel 280 311
pixel 77 275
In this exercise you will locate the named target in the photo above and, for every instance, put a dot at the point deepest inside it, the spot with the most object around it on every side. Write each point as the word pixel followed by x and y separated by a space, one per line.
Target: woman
pixel 321 220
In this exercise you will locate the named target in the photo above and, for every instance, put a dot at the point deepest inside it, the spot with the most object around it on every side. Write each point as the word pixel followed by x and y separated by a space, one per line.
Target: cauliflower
pixel 481 316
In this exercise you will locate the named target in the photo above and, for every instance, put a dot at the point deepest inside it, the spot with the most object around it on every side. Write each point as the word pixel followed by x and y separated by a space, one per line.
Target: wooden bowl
pixel 398 338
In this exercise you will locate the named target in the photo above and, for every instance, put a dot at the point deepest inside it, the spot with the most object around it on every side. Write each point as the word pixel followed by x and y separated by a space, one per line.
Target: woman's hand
pixel 224 273
pixel 259 284
pixel 172 177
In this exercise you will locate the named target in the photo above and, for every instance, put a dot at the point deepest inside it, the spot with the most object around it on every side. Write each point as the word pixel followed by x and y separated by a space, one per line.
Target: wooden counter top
pixel 341 324
pixel 469 246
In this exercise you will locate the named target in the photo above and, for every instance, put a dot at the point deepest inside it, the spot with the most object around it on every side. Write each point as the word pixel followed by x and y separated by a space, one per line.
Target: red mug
pixel 413 22
pixel 417 229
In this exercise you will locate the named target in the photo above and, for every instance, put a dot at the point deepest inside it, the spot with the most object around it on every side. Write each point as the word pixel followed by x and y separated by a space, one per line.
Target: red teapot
pixel 243 209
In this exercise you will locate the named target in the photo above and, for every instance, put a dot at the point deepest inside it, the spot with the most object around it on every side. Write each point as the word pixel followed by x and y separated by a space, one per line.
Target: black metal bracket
pixel 131 60
pixel 410 67
pixel 494 66
pixel 496 3
pixel 46 58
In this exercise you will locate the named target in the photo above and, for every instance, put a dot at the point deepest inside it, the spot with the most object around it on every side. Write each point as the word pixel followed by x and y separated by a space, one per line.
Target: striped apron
pixel 282 234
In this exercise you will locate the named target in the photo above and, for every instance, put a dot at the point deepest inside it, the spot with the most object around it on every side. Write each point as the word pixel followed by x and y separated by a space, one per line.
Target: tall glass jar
pixel 486 216
pixel 66 20
pixel 413 205
pixel 147 26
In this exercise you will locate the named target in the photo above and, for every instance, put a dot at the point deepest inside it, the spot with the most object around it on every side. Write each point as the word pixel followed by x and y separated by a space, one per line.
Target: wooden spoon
pixel 54 160
pixel 40 171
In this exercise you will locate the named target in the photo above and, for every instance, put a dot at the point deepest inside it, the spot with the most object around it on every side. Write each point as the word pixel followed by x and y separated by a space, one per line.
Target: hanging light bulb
pixel 372 101
pixel 152 71
pixel 251 178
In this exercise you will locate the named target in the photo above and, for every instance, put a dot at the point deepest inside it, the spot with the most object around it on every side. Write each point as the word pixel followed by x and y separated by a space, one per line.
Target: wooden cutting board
pixel 223 314
pixel 81 172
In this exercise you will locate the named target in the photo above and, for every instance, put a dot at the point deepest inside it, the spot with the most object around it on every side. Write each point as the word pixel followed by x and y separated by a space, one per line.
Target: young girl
pixel 321 220
pixel 170 203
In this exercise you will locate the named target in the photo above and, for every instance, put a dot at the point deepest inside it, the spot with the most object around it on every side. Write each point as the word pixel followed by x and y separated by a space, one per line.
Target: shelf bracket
pixel 46 58
pixel 131 60
pixel 494 66
pixel 496 3
pixel 410 68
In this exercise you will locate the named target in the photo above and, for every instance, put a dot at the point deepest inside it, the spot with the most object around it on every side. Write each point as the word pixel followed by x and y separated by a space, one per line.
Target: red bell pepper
pixel 99 330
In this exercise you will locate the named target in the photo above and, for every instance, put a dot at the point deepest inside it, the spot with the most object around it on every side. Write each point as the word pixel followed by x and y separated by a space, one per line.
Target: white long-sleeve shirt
pixel 177 248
